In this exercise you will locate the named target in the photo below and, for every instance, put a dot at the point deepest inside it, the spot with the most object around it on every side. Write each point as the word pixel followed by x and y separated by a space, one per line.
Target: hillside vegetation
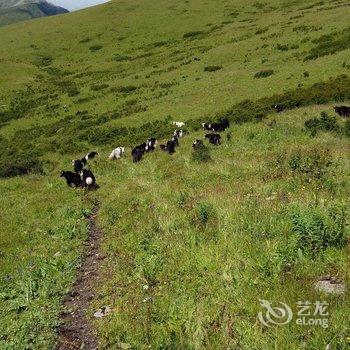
pixel 21 10
pixel 191 245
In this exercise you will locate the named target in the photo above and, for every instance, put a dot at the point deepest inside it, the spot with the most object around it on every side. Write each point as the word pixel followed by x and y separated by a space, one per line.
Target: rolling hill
pixel 20 10
pixel 190 242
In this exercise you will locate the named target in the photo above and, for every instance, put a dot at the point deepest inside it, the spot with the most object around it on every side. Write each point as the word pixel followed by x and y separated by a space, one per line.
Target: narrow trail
pixel 76 331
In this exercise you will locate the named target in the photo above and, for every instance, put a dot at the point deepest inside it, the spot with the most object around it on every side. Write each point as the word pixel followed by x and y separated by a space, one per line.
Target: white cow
pixel 117 153
pixel 178 133
pixel 179 124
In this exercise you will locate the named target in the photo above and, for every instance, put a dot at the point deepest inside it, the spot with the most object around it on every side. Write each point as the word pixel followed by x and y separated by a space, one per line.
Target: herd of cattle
pixel 83 177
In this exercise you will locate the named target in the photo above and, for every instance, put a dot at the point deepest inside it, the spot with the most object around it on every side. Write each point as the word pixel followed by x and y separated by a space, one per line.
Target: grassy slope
pixel 207 280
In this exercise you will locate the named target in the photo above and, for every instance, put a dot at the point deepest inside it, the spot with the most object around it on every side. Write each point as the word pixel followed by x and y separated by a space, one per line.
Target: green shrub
pixel 201 154
pixel 346 128
pixel 14 162
pixel 95 48
pixel 317 231
pixel 43 61
pixel 282 47
pixel 204 212
pixel 263 73
pixel 324 123
pixel 212 68
pixel 193 34
pixel 99 87
pixel 330 44
pixel 124 89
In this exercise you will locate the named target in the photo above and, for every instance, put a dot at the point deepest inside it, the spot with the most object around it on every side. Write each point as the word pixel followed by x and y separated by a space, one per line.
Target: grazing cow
pixel 170 146
pixel 79 164
pixel 72 179
pixel 206 126
pixel 279 108
pixel 138 152
pixel 88 180
pixel 179 124
pixel 197 144
pixel 217 127
pixel 225 122
pixel 178 133
pixel 151 144
pixel 175 139
pixel 214 139
pixel 117 153
pixel 343 111
pixel 91 155
pixel 162 147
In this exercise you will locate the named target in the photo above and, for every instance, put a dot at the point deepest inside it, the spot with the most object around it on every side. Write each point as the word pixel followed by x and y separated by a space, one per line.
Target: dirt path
pixel 77 331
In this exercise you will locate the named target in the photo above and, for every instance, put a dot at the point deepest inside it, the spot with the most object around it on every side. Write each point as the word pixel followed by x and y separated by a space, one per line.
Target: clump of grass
pixel 212 68
pixel 43 61
pixel 124 89
pixel 330 44
pixel 264 73
pixel 121 58
pixel 324 123
pixel 99 87
pixel 95 48
pixel 85 40
pixel 201 154
pixel 204 212
pixel 316 230
pixel 193 34
pixel 262 30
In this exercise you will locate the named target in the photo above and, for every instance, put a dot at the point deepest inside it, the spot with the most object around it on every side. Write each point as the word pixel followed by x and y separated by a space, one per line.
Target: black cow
pixel 176 140
pixel 137 153
pixel 206 126
pixel 343 111
pixel 225 122
pixel 170 146
pixel 72 179
pixel 79 164
pixel 91 155
pixel 279 108
pixel 217 127
pixel 88 180
pixel 197 144
pixel 214 139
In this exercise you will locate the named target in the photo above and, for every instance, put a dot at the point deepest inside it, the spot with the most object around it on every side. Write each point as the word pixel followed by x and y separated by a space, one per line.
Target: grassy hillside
pixel 17 11
pixel 191 246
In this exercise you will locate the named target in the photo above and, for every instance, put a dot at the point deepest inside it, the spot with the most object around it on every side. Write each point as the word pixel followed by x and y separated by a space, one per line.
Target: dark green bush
pixel 95 48
pixel 201 154
pixel 14 162
pixel 212 68
pixel 317 230
pixel 330 44
pixel 99 87
pixel 346 128
pixel 43 61
pixel 324 123
pixel 193 34
pixel 263 73
pixel 204 211
pixel 124 89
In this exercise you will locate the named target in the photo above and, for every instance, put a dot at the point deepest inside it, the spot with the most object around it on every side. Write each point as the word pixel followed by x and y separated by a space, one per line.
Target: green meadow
pixel 191 243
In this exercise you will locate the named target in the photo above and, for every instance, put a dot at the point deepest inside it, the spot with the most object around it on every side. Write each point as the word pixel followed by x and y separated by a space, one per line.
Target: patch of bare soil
pixel 76 331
